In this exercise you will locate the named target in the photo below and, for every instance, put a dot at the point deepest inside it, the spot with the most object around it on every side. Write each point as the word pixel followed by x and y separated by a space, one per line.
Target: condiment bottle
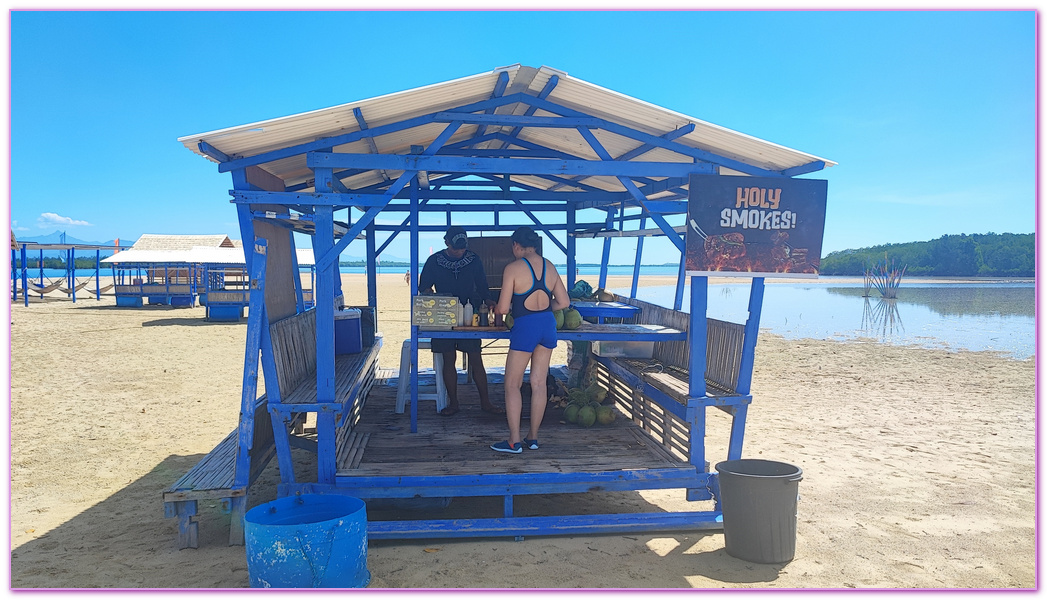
pixel 467 314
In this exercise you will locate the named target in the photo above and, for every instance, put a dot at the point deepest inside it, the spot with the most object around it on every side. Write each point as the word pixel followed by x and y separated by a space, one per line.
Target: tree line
pixel 58 263
pixel 976 255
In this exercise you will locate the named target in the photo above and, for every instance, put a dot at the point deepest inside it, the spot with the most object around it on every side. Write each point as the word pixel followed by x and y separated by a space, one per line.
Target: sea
pixel 998 316
pixel 993 315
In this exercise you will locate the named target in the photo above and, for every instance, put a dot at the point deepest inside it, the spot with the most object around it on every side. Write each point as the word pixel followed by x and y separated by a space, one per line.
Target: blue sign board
pixel 755 226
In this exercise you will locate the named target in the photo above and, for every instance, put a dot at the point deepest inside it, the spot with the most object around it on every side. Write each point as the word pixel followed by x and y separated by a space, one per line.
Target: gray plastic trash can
pixel 758 498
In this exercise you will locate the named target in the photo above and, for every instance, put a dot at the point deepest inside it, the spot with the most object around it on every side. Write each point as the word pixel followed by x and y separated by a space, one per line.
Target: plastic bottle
pixel 467 314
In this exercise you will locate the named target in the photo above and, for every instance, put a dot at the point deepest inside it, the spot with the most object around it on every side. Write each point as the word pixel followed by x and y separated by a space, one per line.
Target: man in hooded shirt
pixel 458 271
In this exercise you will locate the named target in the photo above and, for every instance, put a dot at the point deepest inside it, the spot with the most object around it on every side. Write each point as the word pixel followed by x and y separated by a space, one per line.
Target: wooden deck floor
pixel 460 445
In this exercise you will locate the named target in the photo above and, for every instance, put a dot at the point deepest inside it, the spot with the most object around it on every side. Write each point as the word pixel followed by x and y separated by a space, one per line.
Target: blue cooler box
pixel 348 336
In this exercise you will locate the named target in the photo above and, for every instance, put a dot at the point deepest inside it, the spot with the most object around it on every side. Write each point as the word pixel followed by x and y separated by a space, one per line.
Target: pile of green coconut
pixel 566 318
pixel 585 406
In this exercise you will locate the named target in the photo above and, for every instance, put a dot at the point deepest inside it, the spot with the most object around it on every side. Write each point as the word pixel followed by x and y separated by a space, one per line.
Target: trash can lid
pixel 347 313
pixel 756 467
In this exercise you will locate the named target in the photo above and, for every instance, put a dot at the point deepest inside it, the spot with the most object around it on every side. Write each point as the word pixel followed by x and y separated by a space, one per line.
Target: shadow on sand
pixel 129 530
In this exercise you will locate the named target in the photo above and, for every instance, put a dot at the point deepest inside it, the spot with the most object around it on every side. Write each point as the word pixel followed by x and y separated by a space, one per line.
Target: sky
pixel 930 115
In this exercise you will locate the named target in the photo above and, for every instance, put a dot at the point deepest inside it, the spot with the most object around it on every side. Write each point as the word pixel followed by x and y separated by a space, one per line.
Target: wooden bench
pixel 293 341
pixel 655 392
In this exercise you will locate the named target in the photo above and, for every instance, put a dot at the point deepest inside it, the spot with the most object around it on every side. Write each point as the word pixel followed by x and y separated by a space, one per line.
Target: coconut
pixel 508 321
pixel 604 296
pixel 572 319
pixel 571 413
pixel 558 314
pixel 587 416
pixel 605 415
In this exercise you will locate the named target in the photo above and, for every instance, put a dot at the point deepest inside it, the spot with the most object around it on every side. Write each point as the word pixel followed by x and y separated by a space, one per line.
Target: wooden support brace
pixel 237 511
pixel 188 528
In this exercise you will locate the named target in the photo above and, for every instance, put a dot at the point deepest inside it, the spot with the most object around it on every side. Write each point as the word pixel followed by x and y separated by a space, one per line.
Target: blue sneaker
pixel 530 444
pixel 505 446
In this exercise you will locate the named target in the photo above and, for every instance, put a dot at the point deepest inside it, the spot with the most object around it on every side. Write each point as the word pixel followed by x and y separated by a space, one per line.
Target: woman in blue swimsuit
pixel 531 290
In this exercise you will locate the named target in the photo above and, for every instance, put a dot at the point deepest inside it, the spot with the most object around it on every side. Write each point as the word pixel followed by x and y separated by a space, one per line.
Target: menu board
pixel 755 226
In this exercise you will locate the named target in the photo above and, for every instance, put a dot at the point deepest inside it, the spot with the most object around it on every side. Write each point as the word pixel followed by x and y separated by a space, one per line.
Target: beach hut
pixel 160 269
pixel 522 145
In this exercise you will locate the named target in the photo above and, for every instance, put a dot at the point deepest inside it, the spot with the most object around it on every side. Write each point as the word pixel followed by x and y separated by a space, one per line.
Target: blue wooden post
pixel 256 322
pixel 323 241
pixel 14 276
pixel 337 266
pixel 98 274
pixel 606 250
pixel 72 271
pixel 745 370
pixel 697 334
pixel 41 265
pixel 636 265
pixel 752 330
pixel 414 292
pixel 571 245
pixel 372 270
pixel 681 277
pixel 696 339
pixel 25 280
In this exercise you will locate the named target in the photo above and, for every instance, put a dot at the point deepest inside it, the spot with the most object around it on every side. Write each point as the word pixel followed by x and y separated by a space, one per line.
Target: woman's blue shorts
pixel 530 330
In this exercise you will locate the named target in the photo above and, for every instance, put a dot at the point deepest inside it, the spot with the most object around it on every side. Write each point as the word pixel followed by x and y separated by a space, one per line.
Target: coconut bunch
pixel 567 318
pixel 585 406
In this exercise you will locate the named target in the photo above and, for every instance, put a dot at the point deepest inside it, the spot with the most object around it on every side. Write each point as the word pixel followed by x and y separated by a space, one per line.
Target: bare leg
pixel 515 364
pixel 476 367
pixel 539 393
pixel 450 375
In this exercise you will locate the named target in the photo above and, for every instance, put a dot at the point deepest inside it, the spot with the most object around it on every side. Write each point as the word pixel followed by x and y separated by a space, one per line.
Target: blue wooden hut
pixel 519 145
pixel 168 269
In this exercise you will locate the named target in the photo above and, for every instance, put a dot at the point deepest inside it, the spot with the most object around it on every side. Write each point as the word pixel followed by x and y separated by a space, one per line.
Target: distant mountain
pixel 56 238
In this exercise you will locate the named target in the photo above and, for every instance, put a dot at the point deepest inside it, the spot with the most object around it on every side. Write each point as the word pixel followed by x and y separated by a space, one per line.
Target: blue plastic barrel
pixel 306 541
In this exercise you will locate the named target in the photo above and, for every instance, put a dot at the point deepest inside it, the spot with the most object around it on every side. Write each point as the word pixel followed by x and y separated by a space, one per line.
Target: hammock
pixel 77 287
pixel 35 288
pixel 106 288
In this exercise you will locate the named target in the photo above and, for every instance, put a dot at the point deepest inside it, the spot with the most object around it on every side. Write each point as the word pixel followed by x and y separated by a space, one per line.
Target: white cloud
pixel 55 219
pixel 14 225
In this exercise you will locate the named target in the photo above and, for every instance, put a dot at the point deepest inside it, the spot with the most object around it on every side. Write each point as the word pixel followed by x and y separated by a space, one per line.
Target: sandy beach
pixel 919 465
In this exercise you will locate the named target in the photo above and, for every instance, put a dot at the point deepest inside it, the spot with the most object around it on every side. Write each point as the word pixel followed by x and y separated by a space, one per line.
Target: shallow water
pixel 953 316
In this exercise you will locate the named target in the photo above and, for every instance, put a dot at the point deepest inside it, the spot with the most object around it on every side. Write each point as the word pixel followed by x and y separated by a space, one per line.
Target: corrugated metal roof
pixel 197 255
pixel 138 256
pixel 263 136
pixel 216 256
pixel 153 241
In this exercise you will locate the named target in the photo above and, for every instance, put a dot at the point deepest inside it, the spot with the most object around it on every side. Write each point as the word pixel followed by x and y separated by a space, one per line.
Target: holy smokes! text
pixel 757 208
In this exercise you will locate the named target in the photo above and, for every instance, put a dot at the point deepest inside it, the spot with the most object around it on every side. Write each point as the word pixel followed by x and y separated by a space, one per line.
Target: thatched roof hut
pixel 153 241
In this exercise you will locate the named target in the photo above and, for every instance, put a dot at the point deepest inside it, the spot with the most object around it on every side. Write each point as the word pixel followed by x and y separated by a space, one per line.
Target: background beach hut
pixel 524 146
pixel 159 269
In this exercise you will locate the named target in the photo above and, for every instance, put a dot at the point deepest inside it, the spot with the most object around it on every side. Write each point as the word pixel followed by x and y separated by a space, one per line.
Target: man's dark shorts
pixel 447 345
